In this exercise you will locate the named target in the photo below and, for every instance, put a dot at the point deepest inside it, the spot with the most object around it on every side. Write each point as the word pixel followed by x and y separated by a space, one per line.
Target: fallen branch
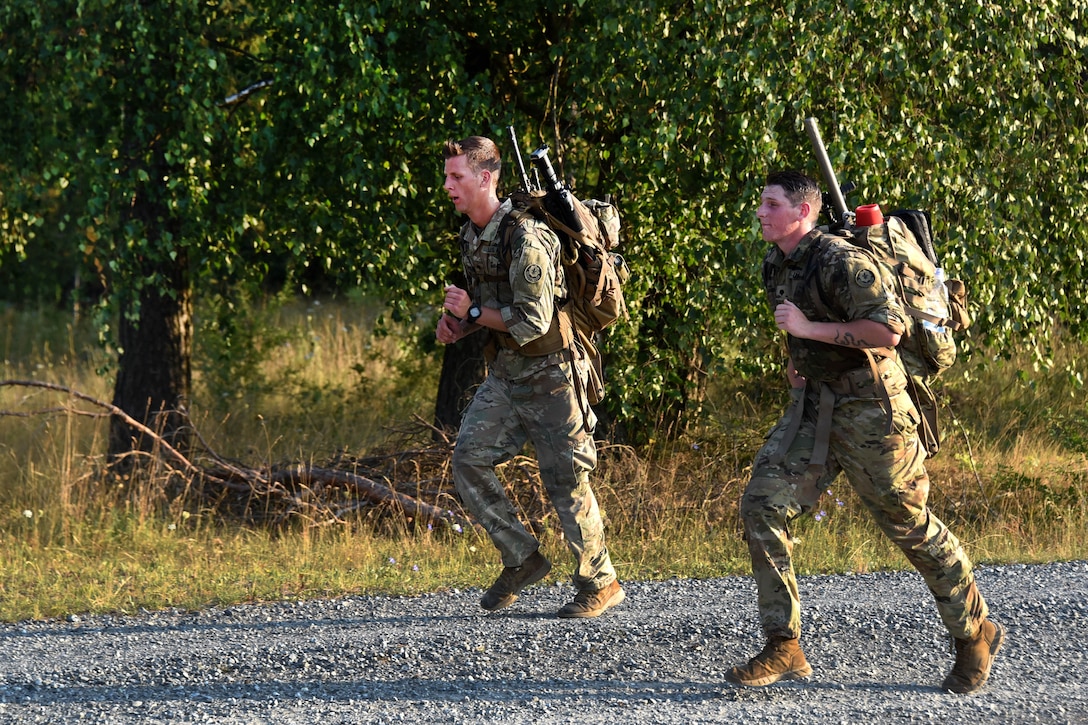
pixel 314 492
pixel 171 452
pixel 373 491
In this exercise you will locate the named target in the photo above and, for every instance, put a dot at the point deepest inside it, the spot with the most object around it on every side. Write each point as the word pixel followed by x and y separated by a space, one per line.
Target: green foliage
pixel 944 112
pixel 299 144
pixel 1071 431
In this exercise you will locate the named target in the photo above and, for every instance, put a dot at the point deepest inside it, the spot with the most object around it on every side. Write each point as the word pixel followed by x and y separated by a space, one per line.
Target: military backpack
pixel 937 307
pixel 594 274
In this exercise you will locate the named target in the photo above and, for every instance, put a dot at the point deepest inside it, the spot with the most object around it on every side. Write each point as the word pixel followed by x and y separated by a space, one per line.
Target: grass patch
pixel 312 380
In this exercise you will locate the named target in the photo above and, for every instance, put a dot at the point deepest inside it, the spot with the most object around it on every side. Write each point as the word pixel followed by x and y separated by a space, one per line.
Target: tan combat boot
pixel 781 659
pixel 513 579
pixel 974 658
pixel 593 604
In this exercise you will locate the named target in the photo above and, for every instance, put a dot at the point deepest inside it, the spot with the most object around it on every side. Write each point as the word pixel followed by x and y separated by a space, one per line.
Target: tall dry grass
pixel 304 381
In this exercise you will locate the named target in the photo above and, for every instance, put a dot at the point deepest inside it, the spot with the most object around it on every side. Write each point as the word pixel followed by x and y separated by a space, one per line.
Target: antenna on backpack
pixel 526 185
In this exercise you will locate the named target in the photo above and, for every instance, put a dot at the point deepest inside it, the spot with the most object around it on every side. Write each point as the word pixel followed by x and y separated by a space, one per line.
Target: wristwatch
pixel 474 312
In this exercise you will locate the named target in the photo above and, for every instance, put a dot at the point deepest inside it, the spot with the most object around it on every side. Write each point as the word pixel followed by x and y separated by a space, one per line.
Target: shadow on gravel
pixel 408 691
pixel 870 687
pixel 277 625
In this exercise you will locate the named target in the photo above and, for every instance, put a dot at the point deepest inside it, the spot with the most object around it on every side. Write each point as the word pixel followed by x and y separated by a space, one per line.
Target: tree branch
pixel 245 93
pixel 308 491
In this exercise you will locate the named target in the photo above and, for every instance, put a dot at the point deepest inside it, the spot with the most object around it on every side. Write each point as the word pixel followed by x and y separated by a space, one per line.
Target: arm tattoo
pixel 847 339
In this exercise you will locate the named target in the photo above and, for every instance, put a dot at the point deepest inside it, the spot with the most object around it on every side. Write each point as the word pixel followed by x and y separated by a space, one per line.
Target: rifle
pixel 558 197
pixel 553 198
pixel 835 199
pixel 525 184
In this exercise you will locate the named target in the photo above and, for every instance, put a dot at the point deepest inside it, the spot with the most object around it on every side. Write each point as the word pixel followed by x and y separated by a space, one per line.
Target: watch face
pixel 474 312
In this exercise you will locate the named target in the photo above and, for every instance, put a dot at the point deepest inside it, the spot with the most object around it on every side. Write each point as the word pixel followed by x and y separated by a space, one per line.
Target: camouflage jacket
pixel 525 292
pixel 851 285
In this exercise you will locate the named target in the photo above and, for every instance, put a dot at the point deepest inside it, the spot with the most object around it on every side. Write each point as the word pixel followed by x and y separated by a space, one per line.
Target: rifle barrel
pixel 837 199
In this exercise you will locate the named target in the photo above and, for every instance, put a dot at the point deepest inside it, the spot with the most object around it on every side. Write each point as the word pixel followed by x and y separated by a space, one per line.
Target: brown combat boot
pixel 781 659
pixel 513 579
pixel 974 658
pixel 593 604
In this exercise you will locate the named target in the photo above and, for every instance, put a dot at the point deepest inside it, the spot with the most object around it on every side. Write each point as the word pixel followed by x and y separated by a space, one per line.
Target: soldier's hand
pixel 449 330
pixel 457 301
pixel 789 318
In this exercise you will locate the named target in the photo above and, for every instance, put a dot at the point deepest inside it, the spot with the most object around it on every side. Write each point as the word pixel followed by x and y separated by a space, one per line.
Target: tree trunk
pixel 154 374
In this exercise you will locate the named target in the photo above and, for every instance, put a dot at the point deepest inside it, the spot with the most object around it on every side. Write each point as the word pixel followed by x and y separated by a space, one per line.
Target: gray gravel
pixel 878 651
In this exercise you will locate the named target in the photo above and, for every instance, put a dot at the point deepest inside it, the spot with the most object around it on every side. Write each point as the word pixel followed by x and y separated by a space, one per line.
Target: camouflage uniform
pixel 886 469
pixel 528 398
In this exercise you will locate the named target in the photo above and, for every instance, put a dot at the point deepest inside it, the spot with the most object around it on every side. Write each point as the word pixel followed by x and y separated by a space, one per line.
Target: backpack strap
pixel 822 443
pixel 580 389
pixel 505 236
pixel 810 279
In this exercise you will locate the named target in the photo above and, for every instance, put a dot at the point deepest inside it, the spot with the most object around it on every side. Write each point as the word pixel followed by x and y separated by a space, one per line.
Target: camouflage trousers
pixel 888 473
pixel 542 409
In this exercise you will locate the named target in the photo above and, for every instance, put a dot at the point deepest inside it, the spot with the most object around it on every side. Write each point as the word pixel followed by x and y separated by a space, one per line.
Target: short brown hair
pixel 481 152
pixel 798 187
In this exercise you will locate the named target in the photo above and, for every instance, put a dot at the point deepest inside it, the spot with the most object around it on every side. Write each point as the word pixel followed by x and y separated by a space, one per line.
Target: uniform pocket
pixel 905 417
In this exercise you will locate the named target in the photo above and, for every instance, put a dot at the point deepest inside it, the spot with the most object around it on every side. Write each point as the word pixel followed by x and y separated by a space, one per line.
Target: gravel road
pixel 878 651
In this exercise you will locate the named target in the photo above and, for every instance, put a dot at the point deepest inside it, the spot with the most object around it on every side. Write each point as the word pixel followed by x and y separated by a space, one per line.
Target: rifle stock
pixel 558 195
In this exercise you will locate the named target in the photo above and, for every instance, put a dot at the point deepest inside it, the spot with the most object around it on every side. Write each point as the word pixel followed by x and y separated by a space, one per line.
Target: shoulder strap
pixel 810 279
pixel 505 238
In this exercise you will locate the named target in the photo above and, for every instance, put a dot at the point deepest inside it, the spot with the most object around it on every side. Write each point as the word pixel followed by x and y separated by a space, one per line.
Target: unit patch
pixel 865 278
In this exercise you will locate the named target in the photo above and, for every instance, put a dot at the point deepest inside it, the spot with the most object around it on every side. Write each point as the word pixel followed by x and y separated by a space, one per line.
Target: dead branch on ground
pixel 413 484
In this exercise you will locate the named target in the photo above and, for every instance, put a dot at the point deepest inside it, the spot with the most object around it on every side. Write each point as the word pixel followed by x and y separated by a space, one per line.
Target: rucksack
pixel 594 272
pixel 937 307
